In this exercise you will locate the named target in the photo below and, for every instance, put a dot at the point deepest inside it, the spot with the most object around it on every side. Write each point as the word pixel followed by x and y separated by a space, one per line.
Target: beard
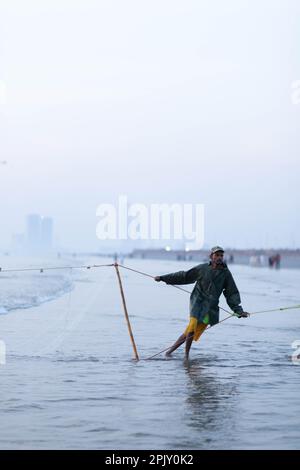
pixel 219 262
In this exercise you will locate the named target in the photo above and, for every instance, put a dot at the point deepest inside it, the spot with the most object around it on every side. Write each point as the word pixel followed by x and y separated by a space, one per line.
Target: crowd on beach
pixel 261 260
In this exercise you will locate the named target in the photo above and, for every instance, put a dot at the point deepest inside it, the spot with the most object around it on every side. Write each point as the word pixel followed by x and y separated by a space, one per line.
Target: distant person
pixel 277 259
pixel 211 279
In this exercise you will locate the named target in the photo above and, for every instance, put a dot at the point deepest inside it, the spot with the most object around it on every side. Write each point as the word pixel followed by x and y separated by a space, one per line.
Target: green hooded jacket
pixel 210 283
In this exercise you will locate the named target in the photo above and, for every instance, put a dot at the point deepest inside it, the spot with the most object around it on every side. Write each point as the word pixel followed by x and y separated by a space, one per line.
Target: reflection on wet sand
pixel 210 404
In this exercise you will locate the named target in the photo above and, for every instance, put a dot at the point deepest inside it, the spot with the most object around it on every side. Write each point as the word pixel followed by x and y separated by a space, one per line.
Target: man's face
pixel 217 258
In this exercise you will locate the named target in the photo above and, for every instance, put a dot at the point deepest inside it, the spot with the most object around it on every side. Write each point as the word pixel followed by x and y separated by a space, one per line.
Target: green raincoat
pixel 210 283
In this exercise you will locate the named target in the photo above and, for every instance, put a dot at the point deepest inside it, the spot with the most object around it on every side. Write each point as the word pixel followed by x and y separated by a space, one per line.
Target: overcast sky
pixel 164 101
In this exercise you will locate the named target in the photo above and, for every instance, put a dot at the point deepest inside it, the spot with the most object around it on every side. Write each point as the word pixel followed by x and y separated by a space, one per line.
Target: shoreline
pixel 290 259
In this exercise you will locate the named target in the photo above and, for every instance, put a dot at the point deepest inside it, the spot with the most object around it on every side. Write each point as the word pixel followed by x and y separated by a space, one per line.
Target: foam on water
pixel 21 290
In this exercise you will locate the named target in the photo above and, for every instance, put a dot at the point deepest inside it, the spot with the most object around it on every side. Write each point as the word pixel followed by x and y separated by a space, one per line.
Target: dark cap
pixel 215 249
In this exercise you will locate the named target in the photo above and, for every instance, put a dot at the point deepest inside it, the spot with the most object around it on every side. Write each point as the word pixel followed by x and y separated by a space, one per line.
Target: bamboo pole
pixel 126 312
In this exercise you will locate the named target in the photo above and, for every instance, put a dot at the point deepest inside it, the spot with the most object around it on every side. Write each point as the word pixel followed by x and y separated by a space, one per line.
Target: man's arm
pixel 180 277
pixel 232 296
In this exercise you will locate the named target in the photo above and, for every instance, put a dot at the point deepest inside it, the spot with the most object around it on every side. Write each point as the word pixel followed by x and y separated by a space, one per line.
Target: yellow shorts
pixel 195 327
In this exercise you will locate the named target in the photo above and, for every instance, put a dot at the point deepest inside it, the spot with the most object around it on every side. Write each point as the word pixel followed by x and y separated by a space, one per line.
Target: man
pixel 211 279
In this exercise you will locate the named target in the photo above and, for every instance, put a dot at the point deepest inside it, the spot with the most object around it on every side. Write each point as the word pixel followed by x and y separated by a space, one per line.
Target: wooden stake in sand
pixel 126 313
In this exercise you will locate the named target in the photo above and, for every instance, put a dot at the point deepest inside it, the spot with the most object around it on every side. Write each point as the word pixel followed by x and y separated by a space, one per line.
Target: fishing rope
pixel 226 318
pixel 184 290
pixel 172 285
pixel 92 266
pixel 42 269
pixel 189 292
pixel 210 326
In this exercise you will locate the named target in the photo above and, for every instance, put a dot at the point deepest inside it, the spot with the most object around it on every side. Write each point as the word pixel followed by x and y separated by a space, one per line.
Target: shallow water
pixel 27 289
pixel 70 380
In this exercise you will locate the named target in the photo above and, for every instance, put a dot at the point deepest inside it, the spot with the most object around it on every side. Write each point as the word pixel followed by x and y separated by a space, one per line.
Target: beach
pixel 70 380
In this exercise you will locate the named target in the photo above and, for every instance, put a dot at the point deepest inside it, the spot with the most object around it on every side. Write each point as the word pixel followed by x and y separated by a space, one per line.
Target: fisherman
pixel 211 279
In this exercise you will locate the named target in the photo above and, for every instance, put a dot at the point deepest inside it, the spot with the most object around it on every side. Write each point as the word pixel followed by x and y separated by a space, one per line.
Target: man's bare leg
pixel 176 345
pixel 188 344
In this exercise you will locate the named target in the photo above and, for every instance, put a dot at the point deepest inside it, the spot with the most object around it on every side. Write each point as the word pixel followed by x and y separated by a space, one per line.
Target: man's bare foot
pixel 168 354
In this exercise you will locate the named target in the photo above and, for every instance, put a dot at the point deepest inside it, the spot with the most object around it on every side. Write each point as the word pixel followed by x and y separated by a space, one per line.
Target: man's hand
pixel 157 279
pixel 243 315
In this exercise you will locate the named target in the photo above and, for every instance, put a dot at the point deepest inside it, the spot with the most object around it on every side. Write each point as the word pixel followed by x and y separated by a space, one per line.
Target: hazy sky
pixel 165 101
